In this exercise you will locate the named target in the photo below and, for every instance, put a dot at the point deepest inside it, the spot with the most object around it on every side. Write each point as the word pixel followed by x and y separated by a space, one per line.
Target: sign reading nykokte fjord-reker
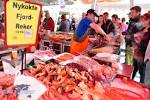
pixel 22 22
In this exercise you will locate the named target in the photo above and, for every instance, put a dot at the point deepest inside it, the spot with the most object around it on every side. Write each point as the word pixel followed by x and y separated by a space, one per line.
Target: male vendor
pixel 79 42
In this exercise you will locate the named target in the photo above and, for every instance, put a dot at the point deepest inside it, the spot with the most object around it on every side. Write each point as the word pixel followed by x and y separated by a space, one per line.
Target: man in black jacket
pixel 107 25
pixel 135 25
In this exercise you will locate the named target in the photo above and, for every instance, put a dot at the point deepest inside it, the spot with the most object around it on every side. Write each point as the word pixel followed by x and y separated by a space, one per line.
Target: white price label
pixel 28 33
pixel 28 88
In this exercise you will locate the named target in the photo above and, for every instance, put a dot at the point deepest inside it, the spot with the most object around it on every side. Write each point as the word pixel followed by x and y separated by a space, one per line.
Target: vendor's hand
pixel 107 37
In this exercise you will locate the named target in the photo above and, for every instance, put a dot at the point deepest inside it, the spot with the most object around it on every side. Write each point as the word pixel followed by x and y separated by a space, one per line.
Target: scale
pixel 11 62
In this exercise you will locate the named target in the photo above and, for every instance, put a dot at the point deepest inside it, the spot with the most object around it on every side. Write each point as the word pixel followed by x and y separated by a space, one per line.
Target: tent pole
pixel 131 3
pixel 93 4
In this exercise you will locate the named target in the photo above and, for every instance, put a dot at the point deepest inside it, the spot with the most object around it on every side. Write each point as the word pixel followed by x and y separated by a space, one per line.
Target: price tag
pixel 28 88
pixel 28 33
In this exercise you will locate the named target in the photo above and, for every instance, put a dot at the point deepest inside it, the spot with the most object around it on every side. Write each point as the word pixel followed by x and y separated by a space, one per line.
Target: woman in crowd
pixel 100 20
pixel 140 46
pixel 95 38
pixel 117 24
pixel 124 26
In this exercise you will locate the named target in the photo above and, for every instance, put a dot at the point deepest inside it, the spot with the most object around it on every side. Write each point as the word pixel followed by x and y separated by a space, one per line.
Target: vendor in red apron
pixel 79 42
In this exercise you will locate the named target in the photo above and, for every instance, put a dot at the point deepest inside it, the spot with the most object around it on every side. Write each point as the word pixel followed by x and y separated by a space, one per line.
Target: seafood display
pixel 7 89
pixel 106 49
pixel 44 54
pixel 63 57
pixel 99 72
pixel 69 83
pixel 58 36
pixel 65 82
pixel 104 73
pixel 69 77
pixel 107 57
pixel 124 83
pixel 87 63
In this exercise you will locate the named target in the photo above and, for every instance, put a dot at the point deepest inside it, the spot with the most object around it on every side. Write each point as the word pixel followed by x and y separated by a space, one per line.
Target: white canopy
pixel 121 8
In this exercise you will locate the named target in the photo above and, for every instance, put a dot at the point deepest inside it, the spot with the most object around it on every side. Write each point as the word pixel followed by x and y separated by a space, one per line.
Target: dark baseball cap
pixel 137 8
pixel 92 11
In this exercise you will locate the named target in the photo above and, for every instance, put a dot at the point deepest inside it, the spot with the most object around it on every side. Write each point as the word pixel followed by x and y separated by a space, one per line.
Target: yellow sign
pixel 21 22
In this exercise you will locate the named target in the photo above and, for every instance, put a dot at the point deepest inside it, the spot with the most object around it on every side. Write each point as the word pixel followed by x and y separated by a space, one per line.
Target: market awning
pixel 90 1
